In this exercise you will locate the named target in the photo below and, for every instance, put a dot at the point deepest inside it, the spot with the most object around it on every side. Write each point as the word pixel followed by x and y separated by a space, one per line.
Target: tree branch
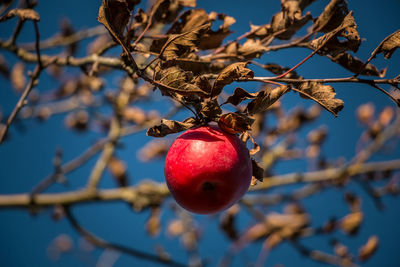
pixel 148 193
pixel 98 242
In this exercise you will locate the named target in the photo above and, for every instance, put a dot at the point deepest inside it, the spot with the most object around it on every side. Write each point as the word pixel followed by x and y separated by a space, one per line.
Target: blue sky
pixel 26 159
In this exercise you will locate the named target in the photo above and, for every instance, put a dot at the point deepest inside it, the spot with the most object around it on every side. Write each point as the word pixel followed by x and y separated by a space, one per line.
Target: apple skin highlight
pixel 207 170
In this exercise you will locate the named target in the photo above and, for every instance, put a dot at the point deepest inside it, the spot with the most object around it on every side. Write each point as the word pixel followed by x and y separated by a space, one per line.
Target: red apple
pixel 207 170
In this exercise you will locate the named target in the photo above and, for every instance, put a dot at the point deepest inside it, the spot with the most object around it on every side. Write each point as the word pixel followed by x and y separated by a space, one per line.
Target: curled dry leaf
pixel 114 15
pixel 367 250
pixel 213 39
pixel 265 99
pixel 332 16
pixel 24 14
pixel 388 45
pixel 289 20
pixel 322 94
pixel 235 122
pixel 231 73
pixel 169 127
pixel 189 20
pixel 239 95
pixel 256 147
pixel 330 43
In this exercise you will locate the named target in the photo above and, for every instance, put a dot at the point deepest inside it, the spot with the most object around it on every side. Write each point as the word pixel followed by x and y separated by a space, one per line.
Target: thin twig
pixel 149 22
pixel 32 83
pixel 98 242
pixel 58 40
pixel 327 80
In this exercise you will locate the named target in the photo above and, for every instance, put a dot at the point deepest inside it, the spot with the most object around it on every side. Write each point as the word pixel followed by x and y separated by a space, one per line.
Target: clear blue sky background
pixel 27 158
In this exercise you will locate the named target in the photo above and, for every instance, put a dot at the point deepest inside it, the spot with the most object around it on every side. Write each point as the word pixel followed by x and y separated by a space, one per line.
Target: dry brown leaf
pixel 239 95
pixel 114 15
pixel 265 99
pixel 288 21
pixel 251 49
pixel 322 94
pixel 169 127
pixel 231 73
pixel 209 108
pixel 174 81
pixel 355 64
pixel 330 43
pixel 213 39
pixel 189 20
pixel 256 147
pixel 332 16
pixel 182 44
pixel 235 122
pixel 193 65
pixel 186 22
pixel 23 14
pixel 388 45
pixel 367 250
pixel 202 83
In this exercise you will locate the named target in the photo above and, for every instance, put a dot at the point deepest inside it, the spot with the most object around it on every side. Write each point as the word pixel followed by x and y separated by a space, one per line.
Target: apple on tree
pixel 207 169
